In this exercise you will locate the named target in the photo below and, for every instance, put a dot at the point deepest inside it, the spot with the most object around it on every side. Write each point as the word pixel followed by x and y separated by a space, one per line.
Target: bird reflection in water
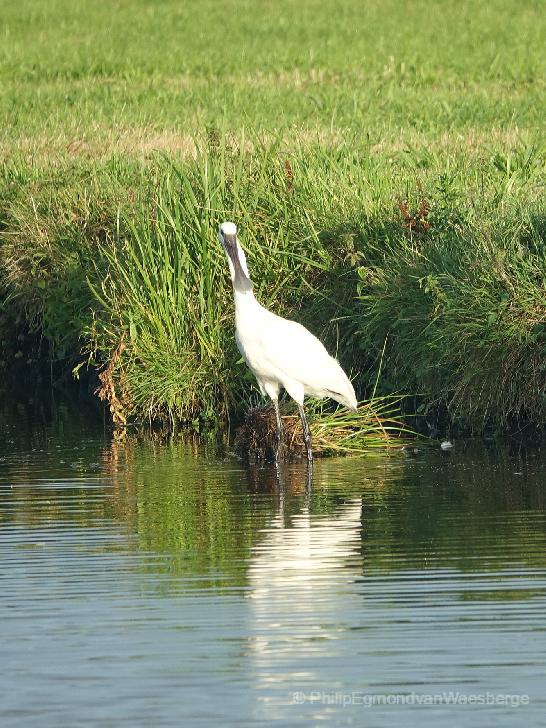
pixel 298 567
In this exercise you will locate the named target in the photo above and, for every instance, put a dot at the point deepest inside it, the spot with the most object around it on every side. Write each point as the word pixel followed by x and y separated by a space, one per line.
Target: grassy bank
pixel 390 196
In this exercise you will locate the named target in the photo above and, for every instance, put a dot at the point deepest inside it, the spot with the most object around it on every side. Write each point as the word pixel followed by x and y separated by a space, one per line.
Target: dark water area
pixel 150 583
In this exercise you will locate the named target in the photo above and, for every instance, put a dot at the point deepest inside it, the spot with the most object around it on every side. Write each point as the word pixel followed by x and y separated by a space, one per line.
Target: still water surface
pixel 153 584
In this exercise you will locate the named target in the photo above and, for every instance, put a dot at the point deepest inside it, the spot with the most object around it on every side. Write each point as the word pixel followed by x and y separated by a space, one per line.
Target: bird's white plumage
pixel 286 353
pixel 283 353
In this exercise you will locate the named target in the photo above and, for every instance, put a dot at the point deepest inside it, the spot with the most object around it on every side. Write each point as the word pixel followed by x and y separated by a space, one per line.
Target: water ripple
pixel 142 584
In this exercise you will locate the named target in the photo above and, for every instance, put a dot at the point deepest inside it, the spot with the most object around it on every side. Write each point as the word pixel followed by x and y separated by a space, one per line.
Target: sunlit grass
pixel 87 79
pixel 130 131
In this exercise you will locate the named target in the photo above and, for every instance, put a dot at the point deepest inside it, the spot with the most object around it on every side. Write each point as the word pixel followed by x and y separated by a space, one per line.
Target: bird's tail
pixel 346 398
pixel 339 386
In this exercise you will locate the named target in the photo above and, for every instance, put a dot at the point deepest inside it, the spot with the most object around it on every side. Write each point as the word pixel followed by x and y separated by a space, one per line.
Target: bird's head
pixel 227 235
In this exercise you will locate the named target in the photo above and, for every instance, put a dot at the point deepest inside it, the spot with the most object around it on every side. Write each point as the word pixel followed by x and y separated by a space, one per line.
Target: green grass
pixel 132 129
pixel 88 78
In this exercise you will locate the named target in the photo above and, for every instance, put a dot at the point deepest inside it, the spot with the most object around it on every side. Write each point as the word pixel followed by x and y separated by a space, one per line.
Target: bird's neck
pixel 246 304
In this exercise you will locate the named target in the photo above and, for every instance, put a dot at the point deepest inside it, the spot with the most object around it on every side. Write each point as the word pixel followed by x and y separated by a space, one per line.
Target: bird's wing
pixel 296 353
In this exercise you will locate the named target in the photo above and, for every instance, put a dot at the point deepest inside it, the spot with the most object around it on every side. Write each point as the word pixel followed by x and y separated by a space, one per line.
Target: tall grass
pixel 118 264
pixel 162 283
pixel 459 297
pixel 161 296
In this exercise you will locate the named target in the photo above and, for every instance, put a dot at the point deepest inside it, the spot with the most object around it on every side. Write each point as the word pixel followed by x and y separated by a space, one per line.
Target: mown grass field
pixel 137 75
pixel 385 161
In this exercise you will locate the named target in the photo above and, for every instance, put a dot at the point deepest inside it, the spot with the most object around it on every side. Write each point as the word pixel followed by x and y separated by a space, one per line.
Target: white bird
pixel 279 352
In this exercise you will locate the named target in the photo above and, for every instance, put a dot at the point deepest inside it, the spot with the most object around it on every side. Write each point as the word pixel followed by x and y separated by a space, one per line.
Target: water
pixel 145 584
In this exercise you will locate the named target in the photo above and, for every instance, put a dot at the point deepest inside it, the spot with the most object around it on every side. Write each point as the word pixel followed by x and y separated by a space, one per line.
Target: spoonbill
pixel 279 352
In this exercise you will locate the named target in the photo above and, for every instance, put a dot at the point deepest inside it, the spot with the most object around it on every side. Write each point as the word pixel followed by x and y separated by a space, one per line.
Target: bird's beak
pixel 230 246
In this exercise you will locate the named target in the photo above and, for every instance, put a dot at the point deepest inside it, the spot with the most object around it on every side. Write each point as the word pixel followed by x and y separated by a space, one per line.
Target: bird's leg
pixel 309 484
pixel 306 433
pixel 280 431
